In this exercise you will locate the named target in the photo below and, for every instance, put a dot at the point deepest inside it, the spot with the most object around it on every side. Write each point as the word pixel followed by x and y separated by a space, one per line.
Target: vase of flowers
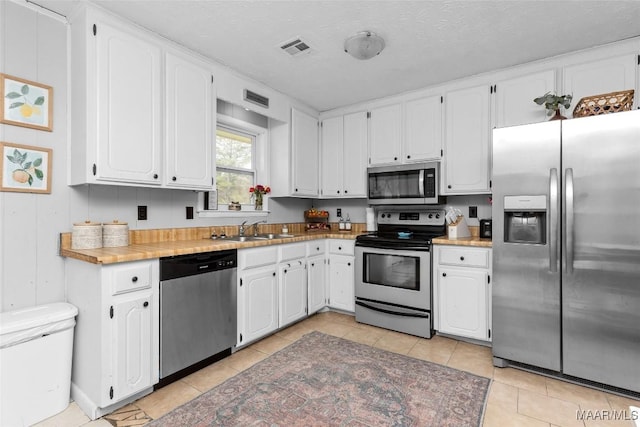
pixel 258 193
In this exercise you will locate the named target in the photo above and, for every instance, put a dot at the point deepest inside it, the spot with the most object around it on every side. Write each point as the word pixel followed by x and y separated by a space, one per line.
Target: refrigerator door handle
pixel 553 220
pixel 569 220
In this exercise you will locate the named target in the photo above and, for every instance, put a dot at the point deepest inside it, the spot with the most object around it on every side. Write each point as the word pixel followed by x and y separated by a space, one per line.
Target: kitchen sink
pixel 259 237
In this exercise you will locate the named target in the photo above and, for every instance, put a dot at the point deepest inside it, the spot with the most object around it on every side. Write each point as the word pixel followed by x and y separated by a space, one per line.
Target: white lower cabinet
pixel 293 291
pixel 316 283
pixel 341 274
pixel 462 291
pixel 257 293
pixel 116 343
pixel 257 303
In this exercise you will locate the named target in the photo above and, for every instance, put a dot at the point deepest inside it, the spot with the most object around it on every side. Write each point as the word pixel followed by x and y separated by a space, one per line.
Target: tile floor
pixel 516 398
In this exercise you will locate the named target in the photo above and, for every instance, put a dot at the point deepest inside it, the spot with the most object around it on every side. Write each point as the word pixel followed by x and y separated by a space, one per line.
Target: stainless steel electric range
pixel 393 270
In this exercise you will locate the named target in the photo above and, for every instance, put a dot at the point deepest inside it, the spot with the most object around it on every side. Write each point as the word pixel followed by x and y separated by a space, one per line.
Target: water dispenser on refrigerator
pixel 525 219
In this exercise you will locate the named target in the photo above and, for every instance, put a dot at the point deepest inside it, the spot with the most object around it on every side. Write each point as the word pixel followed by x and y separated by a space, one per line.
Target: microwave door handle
pixel 553 217
pixel 421 182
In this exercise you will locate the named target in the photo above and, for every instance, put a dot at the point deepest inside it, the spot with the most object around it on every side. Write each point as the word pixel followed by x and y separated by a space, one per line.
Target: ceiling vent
pixel 295 47
pixel 256 98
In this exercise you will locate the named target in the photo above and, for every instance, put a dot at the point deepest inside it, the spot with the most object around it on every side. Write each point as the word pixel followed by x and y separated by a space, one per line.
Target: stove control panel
pixel 425 217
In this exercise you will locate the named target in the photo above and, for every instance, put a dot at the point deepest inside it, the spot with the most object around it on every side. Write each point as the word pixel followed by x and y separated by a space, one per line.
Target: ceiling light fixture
pixel 364 45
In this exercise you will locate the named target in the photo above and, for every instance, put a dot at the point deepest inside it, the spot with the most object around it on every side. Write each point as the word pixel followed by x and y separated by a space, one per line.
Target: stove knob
pixel 437 216
pixel 430 216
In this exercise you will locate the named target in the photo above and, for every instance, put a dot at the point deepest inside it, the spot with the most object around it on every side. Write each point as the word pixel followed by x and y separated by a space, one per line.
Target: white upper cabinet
pixel 599 77
pixel 304 143
pixel 514 98
pixel 467 135
pixel 422 129
pixel 128 106
pixel 142 112
pixel 332 157
pixel 190 115
pixel 344 153
pixel 385 135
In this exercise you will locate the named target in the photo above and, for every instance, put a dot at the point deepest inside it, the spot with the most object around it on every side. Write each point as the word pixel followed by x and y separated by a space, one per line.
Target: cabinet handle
pixel 461 258
pixel 134 279
pixel 313 264
pixel 317 248
pixel 155 176
pixel 174 179
pixel 274 274
pixel 338 191
pixel 444 274
pixel 448 186
pixel 349 264
pixel 145 304
pixel 339 248
pixel 300 262
pixel 296 190
pixel 395 158
pixel 285 272
pixel 345 191
pixel 408 157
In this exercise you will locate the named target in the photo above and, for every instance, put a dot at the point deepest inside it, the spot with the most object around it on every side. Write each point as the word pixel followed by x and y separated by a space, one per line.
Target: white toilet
pixel 36 345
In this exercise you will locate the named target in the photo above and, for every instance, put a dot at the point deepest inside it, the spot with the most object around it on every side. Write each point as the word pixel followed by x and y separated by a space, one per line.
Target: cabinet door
pixel 293 291
pixel 316 289
pixel 462 305
pixel 594 78
pixel 304 140
pixel 189 124
pixel 355 155
pixel 514 99
pixel 466 153
pixel 385 134
pixel 257 303
pixel 129 107
pixel 422 129
pixel 332 158
pixel 131 341
pixel 341 277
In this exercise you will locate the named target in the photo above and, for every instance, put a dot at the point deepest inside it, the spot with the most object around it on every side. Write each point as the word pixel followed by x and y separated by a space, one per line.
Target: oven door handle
pixel 393 247
pixel 395 313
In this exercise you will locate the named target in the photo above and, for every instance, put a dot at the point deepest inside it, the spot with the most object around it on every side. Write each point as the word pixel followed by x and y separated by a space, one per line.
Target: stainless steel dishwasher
pixel 197 311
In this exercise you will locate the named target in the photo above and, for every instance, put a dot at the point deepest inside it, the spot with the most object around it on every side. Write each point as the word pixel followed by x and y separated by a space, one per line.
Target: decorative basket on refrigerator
pixel 611 102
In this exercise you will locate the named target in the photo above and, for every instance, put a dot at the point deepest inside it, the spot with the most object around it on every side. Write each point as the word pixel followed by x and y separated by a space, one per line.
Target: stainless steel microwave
pixel 413 184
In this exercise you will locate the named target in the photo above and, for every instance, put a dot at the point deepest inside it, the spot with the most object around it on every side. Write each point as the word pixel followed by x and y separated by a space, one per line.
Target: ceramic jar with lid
pixel 115 234
pixel 86 235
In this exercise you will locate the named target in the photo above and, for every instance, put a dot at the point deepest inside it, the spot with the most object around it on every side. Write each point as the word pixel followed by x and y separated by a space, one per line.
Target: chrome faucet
pixel 255 226
pixel 242 229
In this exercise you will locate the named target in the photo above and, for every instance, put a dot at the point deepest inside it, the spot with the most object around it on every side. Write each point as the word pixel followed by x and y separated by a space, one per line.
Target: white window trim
pixel 261 165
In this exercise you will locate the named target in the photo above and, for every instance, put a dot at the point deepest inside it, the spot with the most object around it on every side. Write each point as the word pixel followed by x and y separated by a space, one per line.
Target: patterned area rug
pixel 322 380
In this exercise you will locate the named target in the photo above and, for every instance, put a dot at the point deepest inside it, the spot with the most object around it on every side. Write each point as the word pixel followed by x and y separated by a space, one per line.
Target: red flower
pixel 260 189
pixel 251 190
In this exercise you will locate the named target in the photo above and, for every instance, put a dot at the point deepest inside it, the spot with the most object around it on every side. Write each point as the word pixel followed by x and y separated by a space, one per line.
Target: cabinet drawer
pixel 292 251
pixel 316 247
pixel 469 257
pixel 342 246
pixel 131 278
pixel 250 258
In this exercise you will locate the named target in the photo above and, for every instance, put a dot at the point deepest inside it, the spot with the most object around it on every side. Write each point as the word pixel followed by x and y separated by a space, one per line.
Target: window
pixel 235 165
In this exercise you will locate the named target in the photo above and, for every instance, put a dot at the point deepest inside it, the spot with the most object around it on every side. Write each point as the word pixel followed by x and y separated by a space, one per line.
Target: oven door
pixel 394 276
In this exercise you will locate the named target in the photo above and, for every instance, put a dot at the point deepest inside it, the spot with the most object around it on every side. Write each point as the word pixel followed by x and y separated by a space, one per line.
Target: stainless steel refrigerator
pixel 566 247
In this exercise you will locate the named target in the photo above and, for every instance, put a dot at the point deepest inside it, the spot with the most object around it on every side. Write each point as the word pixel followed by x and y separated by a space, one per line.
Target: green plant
pixel 553 102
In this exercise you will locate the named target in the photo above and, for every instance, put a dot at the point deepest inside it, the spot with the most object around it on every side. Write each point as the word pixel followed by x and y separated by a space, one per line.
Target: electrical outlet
pixel 473 212
pixel 339 212
pixel 142 213
pixel 189 212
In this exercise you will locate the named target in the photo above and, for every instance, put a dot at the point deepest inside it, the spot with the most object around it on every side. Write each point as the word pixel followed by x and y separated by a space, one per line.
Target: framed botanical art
pixel 25 168
pixel 26 103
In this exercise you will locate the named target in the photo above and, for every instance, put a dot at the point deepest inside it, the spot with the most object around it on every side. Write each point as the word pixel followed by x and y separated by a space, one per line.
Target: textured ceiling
pixel 427 42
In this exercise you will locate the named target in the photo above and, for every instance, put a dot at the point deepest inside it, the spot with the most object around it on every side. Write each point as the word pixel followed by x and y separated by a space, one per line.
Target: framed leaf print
pixel 25 168
pixel 26 103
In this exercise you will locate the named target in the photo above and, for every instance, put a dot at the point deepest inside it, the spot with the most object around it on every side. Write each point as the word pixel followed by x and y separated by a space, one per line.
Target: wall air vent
pixel 256 98
pixel 295 47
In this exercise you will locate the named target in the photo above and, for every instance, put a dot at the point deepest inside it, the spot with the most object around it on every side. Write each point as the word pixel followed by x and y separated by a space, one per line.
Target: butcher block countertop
pixel 473 240
pixel 148 244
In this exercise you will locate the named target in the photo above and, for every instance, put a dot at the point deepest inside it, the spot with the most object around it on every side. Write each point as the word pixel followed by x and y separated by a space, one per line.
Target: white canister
pixel 115 234
pixel 86 235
